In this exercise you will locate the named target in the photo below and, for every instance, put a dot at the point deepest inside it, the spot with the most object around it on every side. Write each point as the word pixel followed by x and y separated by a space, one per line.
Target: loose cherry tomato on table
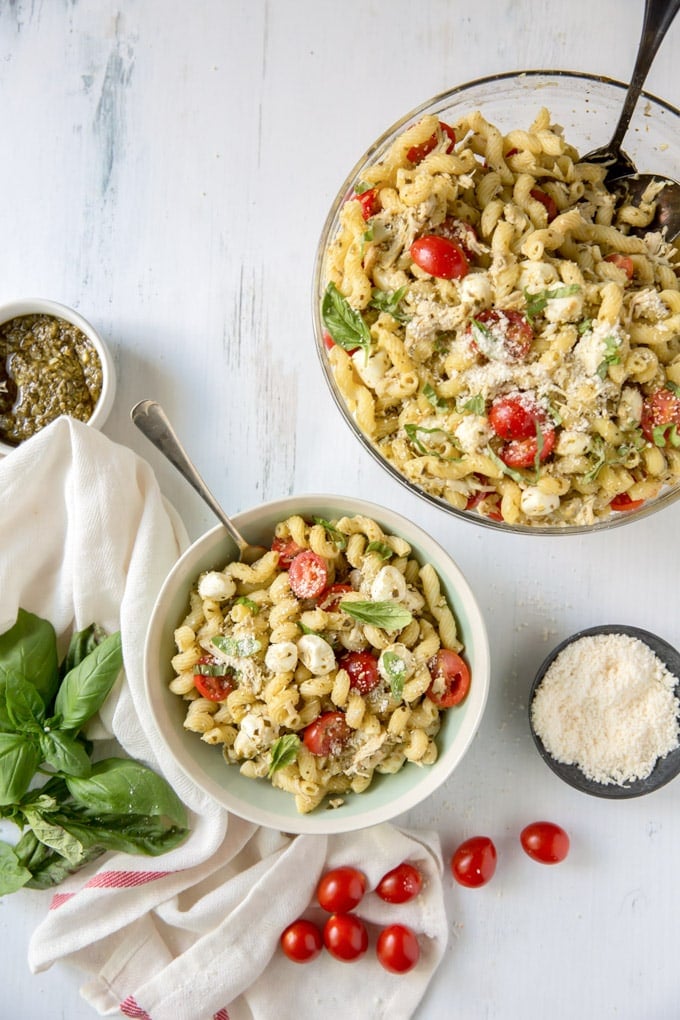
pixel 547 201
pixel 362 668
pixel 660 419
pixel 401 884
pixel 474 862
pixel 211 685
pixel 545 842
pixel 301 941
pixel 439 257
pixel 345 936
pixel 369 202
pixel 501 334
pixel 397 948
pixel 624 262
pixel 341 890
pixel 450 678
pixel 287 548
pixel 418 152
pixel 308 574
pixel 328 734
pixel 623 503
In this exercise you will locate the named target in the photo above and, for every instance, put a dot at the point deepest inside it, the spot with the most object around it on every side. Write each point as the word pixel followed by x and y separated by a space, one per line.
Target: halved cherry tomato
pixel 624 262
pixel 329 599
pixel 622 502
pixel 660 419
pixel 214 688
pixel 545 842
pixel 345 936
pixel 401 884
pixel 521 419
pixel 439 257
pixel 547 201
pixel 341 890
pixel 460 231
pixel 450 678
pixel 474 862
pixel 327 734
pixel 287 548
pixel 369 202
pixel 523 453
pixel 308 574
pixel 418 152
pixel 301 941
pixel 397 948
pixel 502 333
pixel 363 671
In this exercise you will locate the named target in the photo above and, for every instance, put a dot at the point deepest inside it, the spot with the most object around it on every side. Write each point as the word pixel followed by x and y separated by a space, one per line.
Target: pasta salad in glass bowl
pixel 332 684
pixel 499 331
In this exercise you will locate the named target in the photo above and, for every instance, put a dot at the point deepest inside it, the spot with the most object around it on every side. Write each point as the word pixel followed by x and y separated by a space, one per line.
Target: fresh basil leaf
pixel 412 431
pixel 381 548
pixel 117 785
pixel 19 759
pixel 612 356
pixel 666 434
pixel 28 652
pixel 361 186
pixel 243 600
pixel 237 647
pixel 510 472
pixel 673 387
pixel 24 706
pixel 395 667
pixel 284 752
pixel 383 301
pixel 336 536
pixel 212 669
pixel 389 616
pixel 434 399
pixel 52 869
pixel 473 405
pixel 81 644
pixel 65 753
pixel 126 833
pixel 305 629
pixel 535 303
pixel 85 688
pixel 345 325
pixel 13 875
pixel 54 835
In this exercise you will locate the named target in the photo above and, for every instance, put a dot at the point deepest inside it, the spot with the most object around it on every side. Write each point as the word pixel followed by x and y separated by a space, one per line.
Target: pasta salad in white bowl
pixel 334 683
pixel 498 329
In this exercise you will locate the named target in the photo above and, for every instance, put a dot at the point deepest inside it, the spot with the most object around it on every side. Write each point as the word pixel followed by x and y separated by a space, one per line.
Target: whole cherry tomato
pixel 341 890
pixel 397 948
pixel 545 842
pixel 622 502
pixel 547 201
pixel 401 884
pixel 501 334
pixel 660 419
pixel 345 936
pixel 474 862
pixel 328 734
pixel 418 152
pixel 624 262
pixel 450 678
pixel 439 257
pixel 287 548
pixel 301 941
pixel 308 574
pixel 362 668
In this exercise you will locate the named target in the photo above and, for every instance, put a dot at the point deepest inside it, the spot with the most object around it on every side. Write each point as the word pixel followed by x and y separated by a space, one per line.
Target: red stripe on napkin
pixel 123 879
pixel 130 1007
pixel 59 898
pixel 221 1014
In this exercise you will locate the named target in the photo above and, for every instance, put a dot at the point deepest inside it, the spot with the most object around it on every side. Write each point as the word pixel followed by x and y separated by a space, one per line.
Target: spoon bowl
pixel 151 419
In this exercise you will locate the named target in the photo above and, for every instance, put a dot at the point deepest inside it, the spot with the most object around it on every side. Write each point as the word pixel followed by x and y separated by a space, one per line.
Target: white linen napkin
pixel 193 934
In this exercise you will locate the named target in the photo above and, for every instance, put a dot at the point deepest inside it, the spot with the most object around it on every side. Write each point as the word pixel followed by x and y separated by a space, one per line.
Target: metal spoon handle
pixel 657 20
pixel 150 418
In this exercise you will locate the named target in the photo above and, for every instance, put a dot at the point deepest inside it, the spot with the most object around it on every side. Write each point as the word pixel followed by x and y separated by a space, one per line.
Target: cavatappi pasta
pixel 327 661
pixel 498 333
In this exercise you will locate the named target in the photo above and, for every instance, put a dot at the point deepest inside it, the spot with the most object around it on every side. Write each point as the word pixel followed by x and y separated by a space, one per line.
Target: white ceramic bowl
pixel 587 107
pixel 43 306
pixel 257 800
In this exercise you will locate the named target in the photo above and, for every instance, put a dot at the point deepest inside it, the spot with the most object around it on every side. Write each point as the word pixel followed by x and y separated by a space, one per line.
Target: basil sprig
pixel 345 325
pixel 284 752
pixel 82 809
pixel 387 615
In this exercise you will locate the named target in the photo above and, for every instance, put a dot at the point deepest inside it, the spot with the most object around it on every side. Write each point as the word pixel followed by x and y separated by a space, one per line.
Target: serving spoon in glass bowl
pixel 151 419
pixel 622 174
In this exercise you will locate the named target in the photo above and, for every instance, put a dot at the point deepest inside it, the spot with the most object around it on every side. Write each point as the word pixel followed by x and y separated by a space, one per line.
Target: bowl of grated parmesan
pixel 604 711
pixel 498 328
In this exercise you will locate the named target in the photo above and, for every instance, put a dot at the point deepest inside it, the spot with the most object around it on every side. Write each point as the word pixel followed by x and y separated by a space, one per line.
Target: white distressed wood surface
pixel 166 169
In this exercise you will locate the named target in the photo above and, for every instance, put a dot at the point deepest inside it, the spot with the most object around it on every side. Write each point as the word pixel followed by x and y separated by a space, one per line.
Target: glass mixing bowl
pixel 587 108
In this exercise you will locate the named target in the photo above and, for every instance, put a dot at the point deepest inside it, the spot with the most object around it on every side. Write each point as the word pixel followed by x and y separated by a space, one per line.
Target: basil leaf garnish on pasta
pixel 381 549
pixel 243 600
pixel 412 431
pixel 212 669
pixel 389 616
pixel 395 667
pixel 345 325
pixel 516 476
pixel 473 405
pixel 611 357
pixel 385 301
pixel 336 536
pixel 666 434
pixel 433 398
pixel 284 752
pixel 237 647
pixel 673 388
pixel 536 302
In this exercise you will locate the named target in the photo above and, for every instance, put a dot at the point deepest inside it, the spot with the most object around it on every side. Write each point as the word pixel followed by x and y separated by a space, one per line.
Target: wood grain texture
pixel 167 169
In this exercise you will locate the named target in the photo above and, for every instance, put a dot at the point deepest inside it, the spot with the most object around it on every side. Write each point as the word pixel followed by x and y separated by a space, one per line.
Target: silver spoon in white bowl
pixel 151 419
pixel 622 175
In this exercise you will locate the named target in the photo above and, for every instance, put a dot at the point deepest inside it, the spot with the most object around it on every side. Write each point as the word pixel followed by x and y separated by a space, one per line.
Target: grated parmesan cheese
pixel 607 705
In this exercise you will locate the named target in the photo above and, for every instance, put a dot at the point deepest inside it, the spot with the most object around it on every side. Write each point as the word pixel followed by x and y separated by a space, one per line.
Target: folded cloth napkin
pixel 193 934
